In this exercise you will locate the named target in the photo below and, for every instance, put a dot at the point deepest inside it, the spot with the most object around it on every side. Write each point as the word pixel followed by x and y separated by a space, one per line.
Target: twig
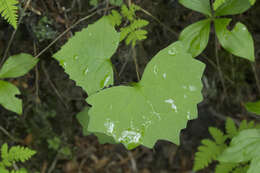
pixel 10 136
pixel 157 20
pixel 133 162
pixel 53 164
pixel 220 116
pixel 53 86
pixel 36 75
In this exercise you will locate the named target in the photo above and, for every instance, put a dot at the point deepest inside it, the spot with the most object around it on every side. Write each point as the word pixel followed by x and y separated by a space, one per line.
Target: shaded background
pixel 51 100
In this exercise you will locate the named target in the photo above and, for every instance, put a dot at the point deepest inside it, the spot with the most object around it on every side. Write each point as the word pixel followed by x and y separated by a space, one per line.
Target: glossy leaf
pixel 195 37
pixel 8 97
pixel 86 56
pixel 231 7
pixel 83 119
pixel 253 107
pixel 244 147
pixel 202 6
pixel 17 65
pixel 157 107
pixel 237 41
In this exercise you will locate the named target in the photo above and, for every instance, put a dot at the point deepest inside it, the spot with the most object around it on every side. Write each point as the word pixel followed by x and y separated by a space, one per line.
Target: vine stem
pixel 136 63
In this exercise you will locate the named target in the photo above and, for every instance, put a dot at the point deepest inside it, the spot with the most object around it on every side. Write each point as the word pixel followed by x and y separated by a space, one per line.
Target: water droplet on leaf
pixel 171 101
pixel 172 51
pixel 155 69
pixel 86 71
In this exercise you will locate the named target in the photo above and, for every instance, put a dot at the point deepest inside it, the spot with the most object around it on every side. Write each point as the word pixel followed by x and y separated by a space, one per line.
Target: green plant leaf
pixel 217 135
pixel 207 152
pixel 237 41
pixel 19 153
pixel 3 170
pixel 218 3
pixel 17 65
pixel 202 6
pixel 86 56
pixel 157 107
pixel 244 147
pixel 231 7
pixel 195 37
pixel 8 97
pixel 83 119
pixel 116 2
pixel 8 10
pixel 253 107
pixel 225 167
pixel 252 2
pixel 255 165
pixel 231 128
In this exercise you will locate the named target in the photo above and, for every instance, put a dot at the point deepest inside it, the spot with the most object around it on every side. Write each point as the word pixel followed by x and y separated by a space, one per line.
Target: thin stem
pixel 157 20
pixel 9 135
pixel 136 63
pixel 218 65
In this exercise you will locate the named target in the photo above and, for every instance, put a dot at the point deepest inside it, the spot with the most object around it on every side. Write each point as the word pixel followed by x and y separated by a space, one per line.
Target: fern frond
pixel 225 167
pixel 139 23
pixel 19 153
pixel 129 14
pixel 4 155
pixel 217 135
pixel 246 125
pixel 8 10
pixel 231 128
pixel 19 171
pixel 218 3
pixel 124 32
pixel 207 152
pixel 115 18
pixel 136 35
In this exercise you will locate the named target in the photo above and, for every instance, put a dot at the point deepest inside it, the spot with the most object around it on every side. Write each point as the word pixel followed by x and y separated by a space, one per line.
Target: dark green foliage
pixel 133 31
pixel 15 154
pixel 210 150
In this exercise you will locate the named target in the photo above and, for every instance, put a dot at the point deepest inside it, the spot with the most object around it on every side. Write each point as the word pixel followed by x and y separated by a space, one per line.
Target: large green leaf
pixel 202 6
pixel 157 107
pixel 254 166
pixel 83 119
pixel 230 7
pixel 253 107
pixel 17 65
pixel 237 41
pixel 195 37
pixel 8 97
pixel 243 148
pixel 86 56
